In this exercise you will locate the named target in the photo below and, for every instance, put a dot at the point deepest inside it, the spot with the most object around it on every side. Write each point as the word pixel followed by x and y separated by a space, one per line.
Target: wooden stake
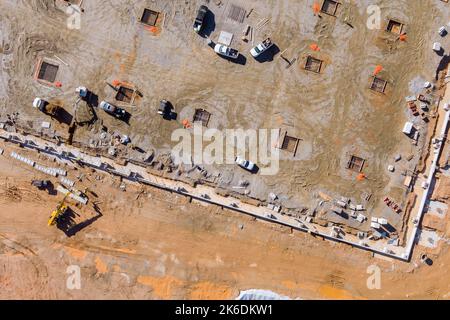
pixel 61 60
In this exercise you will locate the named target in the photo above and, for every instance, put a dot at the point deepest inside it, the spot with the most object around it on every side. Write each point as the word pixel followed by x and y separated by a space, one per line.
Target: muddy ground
pixel 333 113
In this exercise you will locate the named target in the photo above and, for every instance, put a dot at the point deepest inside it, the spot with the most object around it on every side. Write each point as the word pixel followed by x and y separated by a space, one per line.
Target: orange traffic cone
pixel 186 124
pixel 377 70
pixel 316 8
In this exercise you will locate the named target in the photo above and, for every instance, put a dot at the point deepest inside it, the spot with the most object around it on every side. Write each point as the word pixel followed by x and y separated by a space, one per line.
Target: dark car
pixel 113 110
pixel 164 108
pixel 40 184
pixel 199 20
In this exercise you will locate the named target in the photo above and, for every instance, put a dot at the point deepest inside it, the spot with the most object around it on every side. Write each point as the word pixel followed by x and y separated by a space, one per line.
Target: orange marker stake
pixel 314 47
pixel 377 70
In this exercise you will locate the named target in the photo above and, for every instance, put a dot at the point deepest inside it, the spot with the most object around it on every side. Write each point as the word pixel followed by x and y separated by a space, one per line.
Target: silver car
pixel 247 165
pixel 112 110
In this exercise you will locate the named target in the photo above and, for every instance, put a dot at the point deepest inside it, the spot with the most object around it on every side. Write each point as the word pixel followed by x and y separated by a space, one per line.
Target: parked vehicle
pixel 200 19
pixel 45 107
pixel 40 184
pixel 113 110
pixel 245 164
pixel 262 47
pixel 164 108
pixel 226 51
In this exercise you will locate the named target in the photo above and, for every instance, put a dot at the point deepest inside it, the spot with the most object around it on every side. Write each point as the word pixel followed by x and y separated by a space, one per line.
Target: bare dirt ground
pixel 152 246
pixel 333 113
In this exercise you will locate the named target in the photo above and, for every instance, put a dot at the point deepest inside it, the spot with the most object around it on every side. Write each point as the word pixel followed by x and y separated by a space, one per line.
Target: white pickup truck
pixel 246 164
pixel 260 48
pixel 226 51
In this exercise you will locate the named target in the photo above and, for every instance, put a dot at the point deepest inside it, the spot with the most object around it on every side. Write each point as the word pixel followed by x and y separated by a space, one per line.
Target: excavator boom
pixel 60 210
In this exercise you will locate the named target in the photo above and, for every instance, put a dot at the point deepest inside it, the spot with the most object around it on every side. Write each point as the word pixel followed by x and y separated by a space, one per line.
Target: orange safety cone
pixel 377 70
pixel 58 84
pixel 152 29
pixel 116 83
pixel 186 124
pixel 403 37
pixel 361 177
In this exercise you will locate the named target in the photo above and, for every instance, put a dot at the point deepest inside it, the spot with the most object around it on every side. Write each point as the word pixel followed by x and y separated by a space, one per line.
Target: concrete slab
pixel 225 38
pixel 428 238
pixel 437 208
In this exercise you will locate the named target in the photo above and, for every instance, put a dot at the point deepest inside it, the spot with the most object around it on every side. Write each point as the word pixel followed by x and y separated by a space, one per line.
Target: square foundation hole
pixel 203 116
pixel 395 27
pixel 125 94
pixel 329 7
pixel 290 144
pixel 48 71
pixel 378 85
pixel 355 163
pixel 313 64
pixel 149 17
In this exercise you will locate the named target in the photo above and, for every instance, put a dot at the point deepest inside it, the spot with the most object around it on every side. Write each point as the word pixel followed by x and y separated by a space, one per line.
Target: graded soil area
pixel 333 113
pixel 149 244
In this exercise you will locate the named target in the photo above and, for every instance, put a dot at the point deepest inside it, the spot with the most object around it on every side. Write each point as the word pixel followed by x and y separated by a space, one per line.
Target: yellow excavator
pixel 60 210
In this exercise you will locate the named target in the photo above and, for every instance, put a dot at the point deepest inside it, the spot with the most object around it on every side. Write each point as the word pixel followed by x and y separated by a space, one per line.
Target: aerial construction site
pixel 217 149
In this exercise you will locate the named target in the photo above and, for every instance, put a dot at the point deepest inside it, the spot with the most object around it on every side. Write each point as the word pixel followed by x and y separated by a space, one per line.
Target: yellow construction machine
pixel 60 210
